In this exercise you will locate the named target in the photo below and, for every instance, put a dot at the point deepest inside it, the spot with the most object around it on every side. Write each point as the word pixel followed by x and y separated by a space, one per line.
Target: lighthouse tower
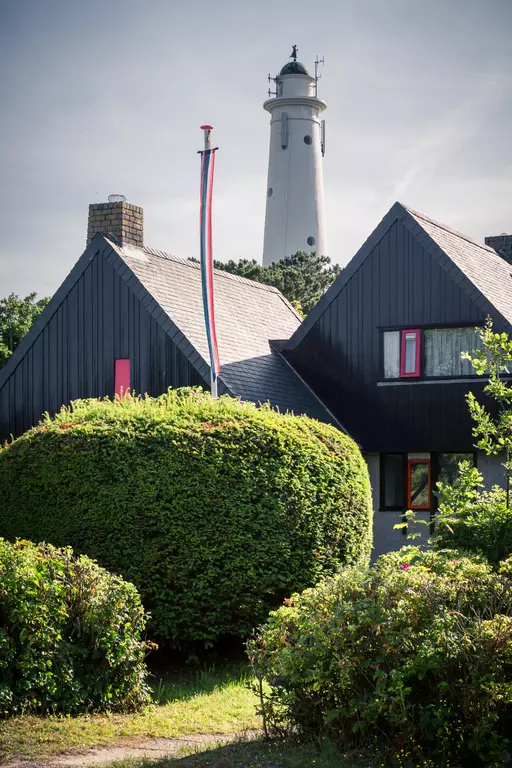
pixel 294 218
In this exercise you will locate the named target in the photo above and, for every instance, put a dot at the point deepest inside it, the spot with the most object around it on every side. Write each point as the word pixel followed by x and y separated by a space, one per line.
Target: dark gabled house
pixel 382 349
pixel 379 356
pixel 128 316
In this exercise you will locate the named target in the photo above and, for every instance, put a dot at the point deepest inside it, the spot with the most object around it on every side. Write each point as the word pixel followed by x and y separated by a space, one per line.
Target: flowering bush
pixel 70 634
pixel 412 658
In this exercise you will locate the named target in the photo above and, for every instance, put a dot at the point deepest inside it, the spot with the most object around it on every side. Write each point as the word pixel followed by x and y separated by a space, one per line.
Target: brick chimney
pixel 118 218
pixel 502 244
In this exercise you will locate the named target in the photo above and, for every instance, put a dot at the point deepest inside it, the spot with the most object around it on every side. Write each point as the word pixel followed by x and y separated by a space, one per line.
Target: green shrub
pixel 215 509
pixel 70 634
pixel 474 520
pixel 412 658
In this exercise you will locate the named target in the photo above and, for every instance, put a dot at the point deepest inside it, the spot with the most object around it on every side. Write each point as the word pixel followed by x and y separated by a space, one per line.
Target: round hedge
pixel 70 634
pixel 215 509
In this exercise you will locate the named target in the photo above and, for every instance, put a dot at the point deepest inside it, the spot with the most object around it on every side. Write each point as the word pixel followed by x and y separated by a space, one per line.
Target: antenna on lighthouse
pixel 273 80
pixel 317 76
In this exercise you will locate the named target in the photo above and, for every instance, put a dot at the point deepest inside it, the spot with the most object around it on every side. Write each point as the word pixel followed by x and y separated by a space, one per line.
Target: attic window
pixel 410 358
pixel 431 353
pixel 402 353
pixel 391 354
pixel 444 348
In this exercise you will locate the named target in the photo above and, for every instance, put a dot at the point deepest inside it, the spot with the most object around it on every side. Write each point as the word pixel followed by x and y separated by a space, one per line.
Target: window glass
pixel 419 484
pixel 393 481
pixel 443 350
pixel 391 354
pixel 448 464
pixel 410 342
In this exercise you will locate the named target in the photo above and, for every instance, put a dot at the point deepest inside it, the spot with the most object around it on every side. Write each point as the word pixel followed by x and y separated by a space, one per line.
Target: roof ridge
pixel 450 230
pixel 219 272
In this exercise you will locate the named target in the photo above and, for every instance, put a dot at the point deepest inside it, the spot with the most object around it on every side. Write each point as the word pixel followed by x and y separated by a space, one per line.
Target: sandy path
pixel 146 748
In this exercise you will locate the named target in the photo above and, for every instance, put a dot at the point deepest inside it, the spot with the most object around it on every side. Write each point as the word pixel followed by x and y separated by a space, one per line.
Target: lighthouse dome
pixel 294 68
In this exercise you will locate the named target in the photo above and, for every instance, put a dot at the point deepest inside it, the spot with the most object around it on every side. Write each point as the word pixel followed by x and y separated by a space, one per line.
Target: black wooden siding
pixel 399 285
pixel 99 320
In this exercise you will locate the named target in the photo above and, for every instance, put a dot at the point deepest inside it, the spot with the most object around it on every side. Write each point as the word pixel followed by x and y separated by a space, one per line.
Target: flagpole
pixel 207 167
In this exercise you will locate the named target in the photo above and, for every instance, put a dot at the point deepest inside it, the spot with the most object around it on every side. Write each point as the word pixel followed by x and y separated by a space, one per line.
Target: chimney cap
pixel 119 218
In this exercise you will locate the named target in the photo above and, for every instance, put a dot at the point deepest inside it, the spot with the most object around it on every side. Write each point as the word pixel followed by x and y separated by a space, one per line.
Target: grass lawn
pixel 214 701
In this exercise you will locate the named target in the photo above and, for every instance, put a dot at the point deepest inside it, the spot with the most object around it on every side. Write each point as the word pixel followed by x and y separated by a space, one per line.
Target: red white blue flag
pixel 207 169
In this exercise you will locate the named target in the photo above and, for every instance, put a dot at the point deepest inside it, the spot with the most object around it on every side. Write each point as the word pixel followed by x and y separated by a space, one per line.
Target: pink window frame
pixel 121 376
pixel 416 372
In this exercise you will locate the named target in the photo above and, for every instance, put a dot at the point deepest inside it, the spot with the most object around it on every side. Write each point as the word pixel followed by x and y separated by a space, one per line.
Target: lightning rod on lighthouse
pixel 294 217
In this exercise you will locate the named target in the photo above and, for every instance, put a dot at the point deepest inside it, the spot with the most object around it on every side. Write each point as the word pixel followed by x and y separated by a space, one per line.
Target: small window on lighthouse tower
pixel 311 240
pixel 307 139
pixel 270 191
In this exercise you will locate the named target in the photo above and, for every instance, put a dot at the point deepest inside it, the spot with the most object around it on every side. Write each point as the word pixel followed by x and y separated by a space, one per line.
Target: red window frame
pixel 121 376
pixel 410 462
pixel 416 372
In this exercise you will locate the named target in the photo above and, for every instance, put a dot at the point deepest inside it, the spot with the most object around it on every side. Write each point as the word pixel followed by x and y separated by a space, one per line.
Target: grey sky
pixel 107 96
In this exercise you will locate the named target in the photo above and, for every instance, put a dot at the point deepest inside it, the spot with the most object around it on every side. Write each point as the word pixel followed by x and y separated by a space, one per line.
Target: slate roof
pixel 249 316
pixel 490 273
pixel 484 275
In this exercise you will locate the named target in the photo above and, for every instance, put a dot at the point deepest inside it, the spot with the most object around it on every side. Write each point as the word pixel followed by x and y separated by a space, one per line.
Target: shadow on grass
pixel 255 754
pixel 179 684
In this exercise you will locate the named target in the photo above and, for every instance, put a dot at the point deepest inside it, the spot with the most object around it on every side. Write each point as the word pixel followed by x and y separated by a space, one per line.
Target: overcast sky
pixel 99 97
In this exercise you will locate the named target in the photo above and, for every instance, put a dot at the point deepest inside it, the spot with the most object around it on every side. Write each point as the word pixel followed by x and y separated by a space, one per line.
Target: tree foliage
pixel 301 278
pixel 473 519
pixel 216 510
pixel 16 318
pixel 494 431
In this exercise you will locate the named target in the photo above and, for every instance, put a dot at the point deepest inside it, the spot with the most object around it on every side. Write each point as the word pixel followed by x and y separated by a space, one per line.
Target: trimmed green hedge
pixel 70 634
pixel 215 509
pixel 411 659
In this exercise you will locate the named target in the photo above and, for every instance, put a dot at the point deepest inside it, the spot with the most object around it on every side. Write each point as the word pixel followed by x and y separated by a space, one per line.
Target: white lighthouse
pixel 294 218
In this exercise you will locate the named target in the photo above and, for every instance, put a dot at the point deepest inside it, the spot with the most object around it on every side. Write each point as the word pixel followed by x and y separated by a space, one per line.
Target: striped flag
pixel 207 169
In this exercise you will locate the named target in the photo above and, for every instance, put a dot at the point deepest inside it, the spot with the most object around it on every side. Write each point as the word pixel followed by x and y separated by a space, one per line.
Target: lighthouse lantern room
pixel 294 218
